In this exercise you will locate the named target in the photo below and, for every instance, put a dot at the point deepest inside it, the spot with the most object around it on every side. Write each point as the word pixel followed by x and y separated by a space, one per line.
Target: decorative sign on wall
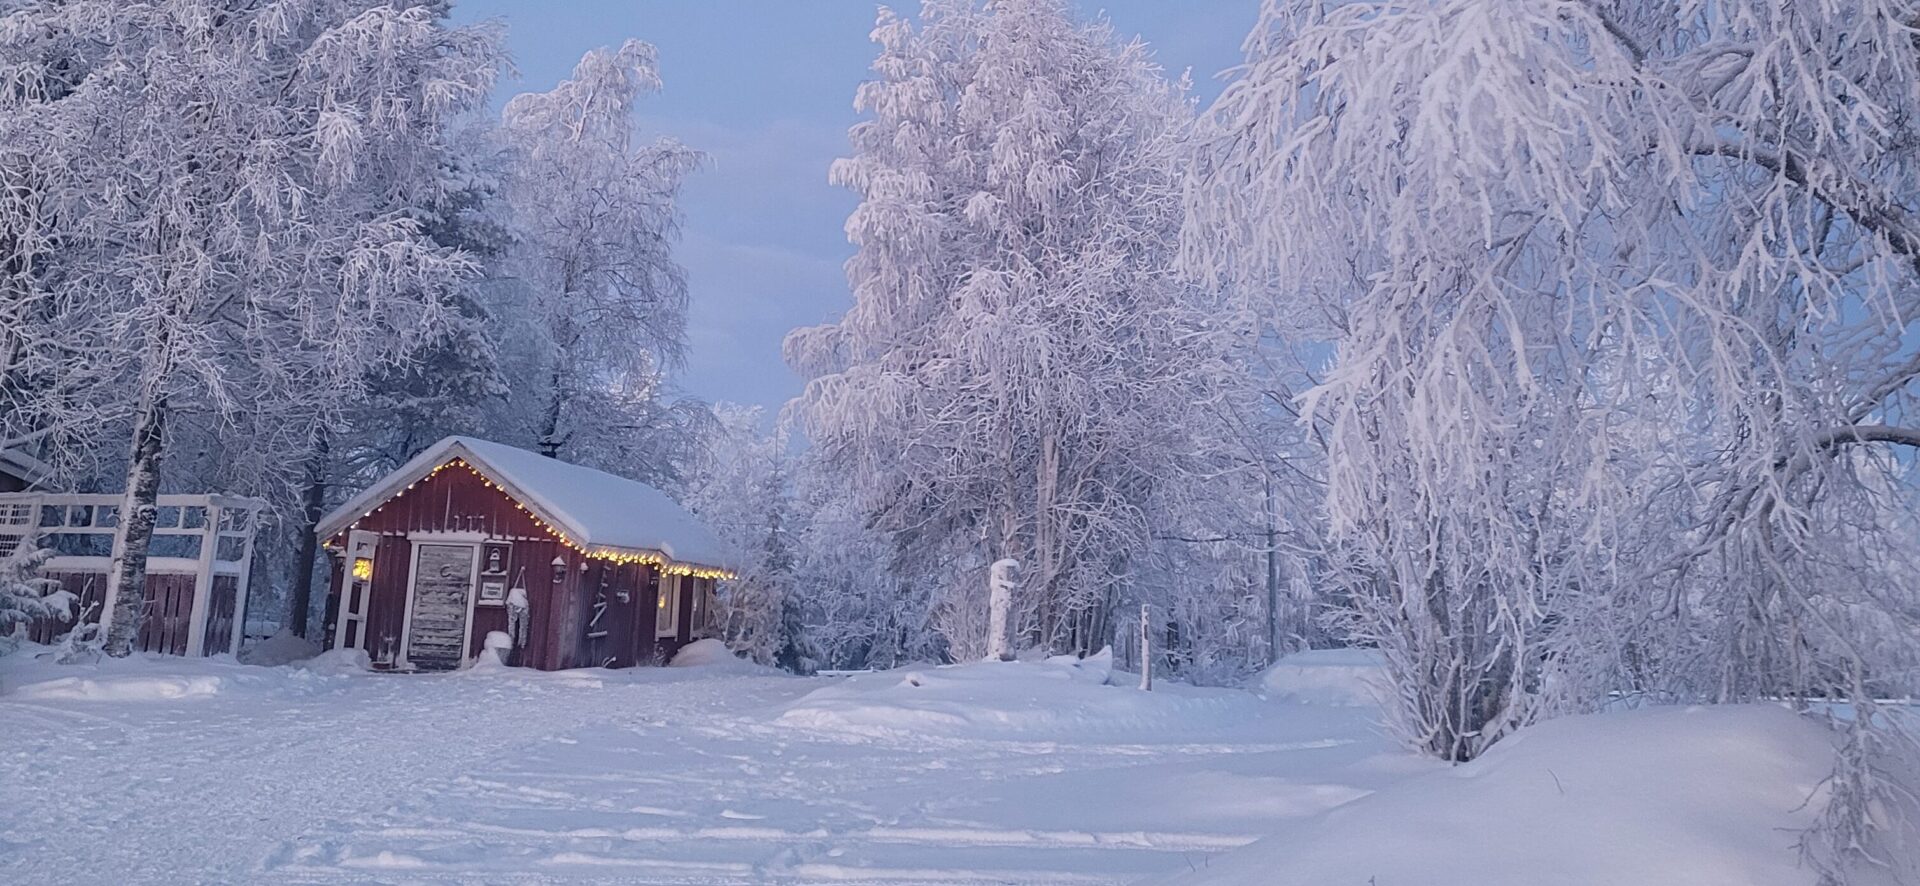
pixel 494 559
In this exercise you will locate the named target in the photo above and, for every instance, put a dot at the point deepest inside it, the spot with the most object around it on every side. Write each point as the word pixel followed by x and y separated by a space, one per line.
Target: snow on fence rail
pixel 197 568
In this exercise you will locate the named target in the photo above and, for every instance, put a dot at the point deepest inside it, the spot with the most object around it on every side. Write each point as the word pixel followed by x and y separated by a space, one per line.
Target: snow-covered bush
pixel 25 595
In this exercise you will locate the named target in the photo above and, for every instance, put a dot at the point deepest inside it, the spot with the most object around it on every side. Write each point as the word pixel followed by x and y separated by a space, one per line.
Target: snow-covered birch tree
pixel 1594 267
pixel 1012 377
pixel 593 212
pixel 217 214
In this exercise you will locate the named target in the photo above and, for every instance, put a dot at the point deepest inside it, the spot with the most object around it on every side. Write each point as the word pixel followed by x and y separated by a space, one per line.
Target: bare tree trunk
pixel 127 574
pixel 312 501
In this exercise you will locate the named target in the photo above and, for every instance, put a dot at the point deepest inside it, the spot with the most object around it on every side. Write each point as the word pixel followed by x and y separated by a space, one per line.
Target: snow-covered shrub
pixel 25 595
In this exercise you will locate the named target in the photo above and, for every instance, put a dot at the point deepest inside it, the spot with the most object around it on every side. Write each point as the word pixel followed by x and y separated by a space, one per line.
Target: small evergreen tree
pixel 25 595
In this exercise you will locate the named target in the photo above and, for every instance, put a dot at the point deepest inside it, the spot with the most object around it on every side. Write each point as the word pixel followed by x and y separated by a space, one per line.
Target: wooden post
pixel 209 536
pixel 1146 650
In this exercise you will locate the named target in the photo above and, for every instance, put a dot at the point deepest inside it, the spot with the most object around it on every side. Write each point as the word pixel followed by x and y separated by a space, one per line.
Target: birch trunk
pixel 127 574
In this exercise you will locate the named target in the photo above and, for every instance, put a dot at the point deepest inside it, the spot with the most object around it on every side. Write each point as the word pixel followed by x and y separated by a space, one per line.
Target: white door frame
pixel 469 540
pixel 356 538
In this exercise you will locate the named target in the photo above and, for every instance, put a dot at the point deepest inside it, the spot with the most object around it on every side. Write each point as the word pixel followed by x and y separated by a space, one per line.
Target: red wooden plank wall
pixel 455 500
pixel 169 612
pixel 220 610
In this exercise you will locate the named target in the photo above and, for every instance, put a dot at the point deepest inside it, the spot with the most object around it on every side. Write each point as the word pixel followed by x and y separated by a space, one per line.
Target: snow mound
pixel 1711 796
pixel 1341 677
pixel 282 648
pixel 711 657
pixel 1052 699
pixel 703 653
pixel 121 688
pixel 337 661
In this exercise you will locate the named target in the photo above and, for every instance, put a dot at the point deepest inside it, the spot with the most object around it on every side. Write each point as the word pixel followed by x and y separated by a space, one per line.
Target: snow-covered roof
pixel 594 509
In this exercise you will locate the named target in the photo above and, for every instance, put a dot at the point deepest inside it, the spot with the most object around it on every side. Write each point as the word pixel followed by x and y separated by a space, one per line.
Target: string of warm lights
pixel 613 555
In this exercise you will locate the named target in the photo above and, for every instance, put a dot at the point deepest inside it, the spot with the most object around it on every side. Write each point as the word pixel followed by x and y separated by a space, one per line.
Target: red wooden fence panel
pixel 220 608
pixel 169 612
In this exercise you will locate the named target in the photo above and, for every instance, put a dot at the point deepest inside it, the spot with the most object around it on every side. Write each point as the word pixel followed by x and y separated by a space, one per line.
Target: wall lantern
pixel 559 569
pixel 362 568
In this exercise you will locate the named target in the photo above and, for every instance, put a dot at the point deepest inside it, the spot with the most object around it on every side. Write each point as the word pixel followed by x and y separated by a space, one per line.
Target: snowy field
pixel 174 770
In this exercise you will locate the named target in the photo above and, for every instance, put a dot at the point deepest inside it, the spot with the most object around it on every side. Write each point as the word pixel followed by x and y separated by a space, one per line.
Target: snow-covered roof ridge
pixel 592 508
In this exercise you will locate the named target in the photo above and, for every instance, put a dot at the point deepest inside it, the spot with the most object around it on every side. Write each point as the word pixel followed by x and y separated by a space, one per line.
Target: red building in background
pixel 579 568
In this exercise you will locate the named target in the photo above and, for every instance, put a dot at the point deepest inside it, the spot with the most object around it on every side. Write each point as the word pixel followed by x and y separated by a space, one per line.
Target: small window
pixel 166 517
pixel 107 516
pixel 667 619
pixel 193 517
pixel 53 516
pixel 15 514
pixel 79 515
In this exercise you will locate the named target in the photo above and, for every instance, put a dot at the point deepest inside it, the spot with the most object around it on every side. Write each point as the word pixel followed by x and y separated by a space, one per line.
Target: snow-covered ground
pixel 175 770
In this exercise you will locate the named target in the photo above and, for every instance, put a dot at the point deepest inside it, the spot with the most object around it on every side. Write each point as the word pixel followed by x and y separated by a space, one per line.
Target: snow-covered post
pixel 999 603
pixel 1146 651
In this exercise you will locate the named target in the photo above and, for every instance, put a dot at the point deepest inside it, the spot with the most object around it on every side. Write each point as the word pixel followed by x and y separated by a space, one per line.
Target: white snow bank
pixel 337 661
pixel 1052 699
pixel 713 656
pixel 280 649
pixel 1712 796
pixel 701 653
pixel 120 688
pixel 1344 677
pixel 36 674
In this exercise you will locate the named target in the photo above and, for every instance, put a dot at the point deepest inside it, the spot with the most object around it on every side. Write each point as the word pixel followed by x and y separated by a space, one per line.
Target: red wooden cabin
pixel 579 567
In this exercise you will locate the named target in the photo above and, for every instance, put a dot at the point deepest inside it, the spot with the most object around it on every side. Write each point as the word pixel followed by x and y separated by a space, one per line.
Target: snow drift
pixel 1056 698
pixel 1343 677
pixel 1696 796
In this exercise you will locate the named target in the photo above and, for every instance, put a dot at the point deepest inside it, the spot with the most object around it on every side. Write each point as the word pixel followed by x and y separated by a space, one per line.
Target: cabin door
pixel 441 604
pixel 610 619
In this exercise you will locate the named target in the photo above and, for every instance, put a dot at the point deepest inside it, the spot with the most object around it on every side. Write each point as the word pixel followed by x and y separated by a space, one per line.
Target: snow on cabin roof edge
pixel 591 508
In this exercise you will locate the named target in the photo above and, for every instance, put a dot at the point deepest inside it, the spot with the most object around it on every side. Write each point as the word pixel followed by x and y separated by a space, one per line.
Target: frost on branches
pixel 1014 376
pixel 1624 296
pixel 740 489
pixel 26 596
pixel 592 210
pixel 210 213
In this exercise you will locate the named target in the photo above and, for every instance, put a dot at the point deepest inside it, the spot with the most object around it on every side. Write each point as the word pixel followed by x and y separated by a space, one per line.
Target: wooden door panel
pixel 442 585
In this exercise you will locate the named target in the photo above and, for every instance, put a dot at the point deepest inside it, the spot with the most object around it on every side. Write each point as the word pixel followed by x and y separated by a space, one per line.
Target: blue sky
pixel 765 88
